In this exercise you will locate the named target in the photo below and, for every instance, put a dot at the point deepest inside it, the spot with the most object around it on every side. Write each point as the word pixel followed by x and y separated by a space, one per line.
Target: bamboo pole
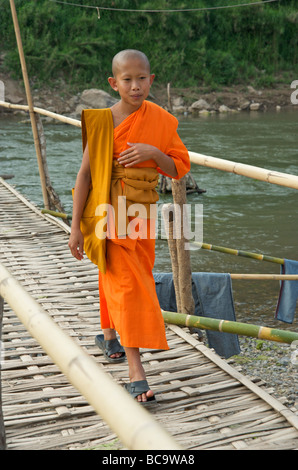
pixel 226 326
pixel 265 277
pixel 62 215
pixel 30 104
pixel 274 177
pixel 245 254
pixel 135 427
pixel 44 112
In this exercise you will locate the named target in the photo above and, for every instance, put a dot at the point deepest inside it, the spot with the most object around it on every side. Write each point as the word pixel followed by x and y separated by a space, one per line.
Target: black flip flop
pixel 109 347
pixel 137 388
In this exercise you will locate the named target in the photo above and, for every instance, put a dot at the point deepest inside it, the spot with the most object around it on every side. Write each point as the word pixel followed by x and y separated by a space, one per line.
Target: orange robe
pixel 128 300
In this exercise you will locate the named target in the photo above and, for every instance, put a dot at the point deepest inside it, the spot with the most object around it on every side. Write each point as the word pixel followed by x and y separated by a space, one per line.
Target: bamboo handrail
pixel 265 277
pixel 225 326
pixel 261 174
pixel 245 254
pixel 44 112
pixel 269 176
pixel 135 427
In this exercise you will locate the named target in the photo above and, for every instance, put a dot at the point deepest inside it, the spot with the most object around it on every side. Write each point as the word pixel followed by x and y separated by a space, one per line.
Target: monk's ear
pixel 112 81
pixel 152 77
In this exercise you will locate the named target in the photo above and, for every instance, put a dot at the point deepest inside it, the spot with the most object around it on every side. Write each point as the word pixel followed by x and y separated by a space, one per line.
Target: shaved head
pixel 125 55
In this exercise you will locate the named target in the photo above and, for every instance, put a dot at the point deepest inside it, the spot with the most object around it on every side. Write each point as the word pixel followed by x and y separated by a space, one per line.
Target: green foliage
pixel 215 47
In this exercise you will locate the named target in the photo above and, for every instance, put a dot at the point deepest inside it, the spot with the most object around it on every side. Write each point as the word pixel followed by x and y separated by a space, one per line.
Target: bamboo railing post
pixel 2 428
pixel 30 104
pixel 183 253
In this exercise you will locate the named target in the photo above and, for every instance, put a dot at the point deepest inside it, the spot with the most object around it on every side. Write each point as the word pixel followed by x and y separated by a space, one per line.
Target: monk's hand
pixel 137 153
pixel 76 244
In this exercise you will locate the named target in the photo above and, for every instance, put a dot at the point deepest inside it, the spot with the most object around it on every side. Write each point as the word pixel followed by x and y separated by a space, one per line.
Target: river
pixel 238 212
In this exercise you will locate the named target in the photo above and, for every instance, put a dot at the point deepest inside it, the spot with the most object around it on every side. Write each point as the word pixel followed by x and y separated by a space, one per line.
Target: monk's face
pixel 133 81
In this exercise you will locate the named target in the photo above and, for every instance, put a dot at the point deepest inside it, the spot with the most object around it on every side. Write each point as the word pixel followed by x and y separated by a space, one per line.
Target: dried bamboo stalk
pixel 135 426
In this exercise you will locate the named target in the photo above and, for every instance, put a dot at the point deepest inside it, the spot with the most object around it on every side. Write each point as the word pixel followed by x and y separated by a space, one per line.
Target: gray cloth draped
pixel 213 297
pixel 288 294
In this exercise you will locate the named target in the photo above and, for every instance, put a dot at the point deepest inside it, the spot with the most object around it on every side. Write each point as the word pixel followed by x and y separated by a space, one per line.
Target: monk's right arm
pixel 76 240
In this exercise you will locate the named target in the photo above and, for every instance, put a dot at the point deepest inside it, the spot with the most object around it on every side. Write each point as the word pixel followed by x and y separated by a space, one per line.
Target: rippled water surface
pixel 239 212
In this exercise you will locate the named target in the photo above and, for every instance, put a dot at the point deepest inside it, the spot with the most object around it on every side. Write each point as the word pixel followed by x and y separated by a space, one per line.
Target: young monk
pixel 125 147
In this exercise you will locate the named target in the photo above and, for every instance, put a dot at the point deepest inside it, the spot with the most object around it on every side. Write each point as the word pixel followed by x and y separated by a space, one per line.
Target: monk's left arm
pixel 165 163
pixel 138 153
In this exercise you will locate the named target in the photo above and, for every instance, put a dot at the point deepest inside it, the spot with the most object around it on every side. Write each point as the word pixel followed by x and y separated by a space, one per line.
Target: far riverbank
pixel 61 99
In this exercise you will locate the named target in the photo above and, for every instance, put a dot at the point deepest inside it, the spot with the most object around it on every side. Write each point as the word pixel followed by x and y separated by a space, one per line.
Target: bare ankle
pixel 109 333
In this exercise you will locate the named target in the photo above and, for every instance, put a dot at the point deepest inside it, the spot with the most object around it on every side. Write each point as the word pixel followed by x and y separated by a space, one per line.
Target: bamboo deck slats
pixel 203 402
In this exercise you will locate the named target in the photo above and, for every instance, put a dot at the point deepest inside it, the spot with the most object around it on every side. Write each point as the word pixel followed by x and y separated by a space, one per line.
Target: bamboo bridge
pixel 202 402
pixel 57 391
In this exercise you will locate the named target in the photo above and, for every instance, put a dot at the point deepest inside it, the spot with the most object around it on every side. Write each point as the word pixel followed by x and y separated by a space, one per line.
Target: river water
pixel 238 212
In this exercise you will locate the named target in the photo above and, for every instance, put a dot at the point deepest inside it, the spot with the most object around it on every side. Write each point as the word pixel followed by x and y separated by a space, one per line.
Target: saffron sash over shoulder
pixel 97 131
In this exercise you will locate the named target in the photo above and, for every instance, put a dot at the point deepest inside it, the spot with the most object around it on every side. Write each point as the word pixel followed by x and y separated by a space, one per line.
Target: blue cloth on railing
pixel 288 294
pixel 213 297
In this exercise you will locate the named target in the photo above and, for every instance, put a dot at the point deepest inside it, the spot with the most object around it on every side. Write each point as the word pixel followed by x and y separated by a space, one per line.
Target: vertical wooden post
pixel 175 218
pixel 169 96
pixel 183 254
pixel 54 200
pixel 30 104
pixel 2 428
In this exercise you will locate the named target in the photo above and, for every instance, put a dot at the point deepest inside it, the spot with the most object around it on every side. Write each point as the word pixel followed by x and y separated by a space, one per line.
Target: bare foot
pixel 145 396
